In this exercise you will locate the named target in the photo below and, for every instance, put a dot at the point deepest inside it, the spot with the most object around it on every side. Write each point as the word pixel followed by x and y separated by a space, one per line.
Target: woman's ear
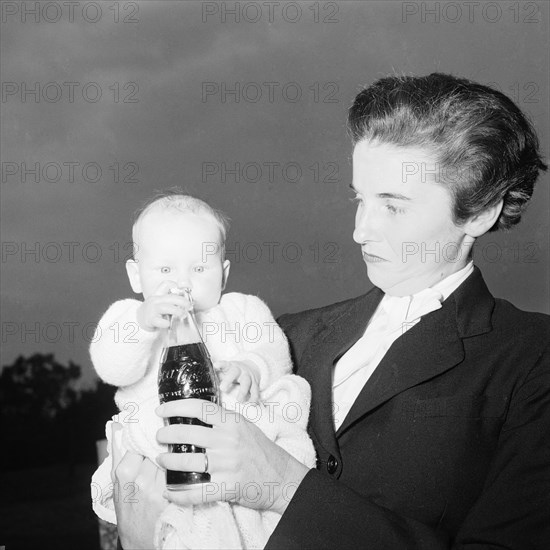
pixel 225 274
pixel 132 269
pixel 479 224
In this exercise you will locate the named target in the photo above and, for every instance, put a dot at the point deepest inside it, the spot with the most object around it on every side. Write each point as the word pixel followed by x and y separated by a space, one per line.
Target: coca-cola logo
pixel 185 393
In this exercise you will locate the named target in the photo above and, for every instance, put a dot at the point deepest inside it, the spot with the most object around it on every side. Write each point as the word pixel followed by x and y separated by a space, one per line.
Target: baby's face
pixel 182 248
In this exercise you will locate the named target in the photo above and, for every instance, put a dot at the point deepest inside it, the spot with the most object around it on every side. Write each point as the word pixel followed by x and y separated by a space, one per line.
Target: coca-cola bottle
pixel 186 372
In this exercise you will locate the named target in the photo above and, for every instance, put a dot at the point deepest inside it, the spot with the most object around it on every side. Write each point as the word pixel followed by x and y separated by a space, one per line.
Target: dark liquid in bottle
pixel 186 372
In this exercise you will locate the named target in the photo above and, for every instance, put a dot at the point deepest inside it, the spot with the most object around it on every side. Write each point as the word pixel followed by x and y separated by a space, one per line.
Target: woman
pixel 431 398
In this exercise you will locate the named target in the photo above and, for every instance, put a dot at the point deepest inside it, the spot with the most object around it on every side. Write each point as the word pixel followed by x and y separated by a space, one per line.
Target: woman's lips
pixel 372 258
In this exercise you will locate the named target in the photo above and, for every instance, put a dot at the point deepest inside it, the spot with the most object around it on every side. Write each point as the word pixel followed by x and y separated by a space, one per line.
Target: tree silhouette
pixel 44 419
pixel 38 387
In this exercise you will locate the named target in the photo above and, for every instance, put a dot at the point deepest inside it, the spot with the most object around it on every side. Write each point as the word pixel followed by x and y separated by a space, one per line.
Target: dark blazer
pixel 448 443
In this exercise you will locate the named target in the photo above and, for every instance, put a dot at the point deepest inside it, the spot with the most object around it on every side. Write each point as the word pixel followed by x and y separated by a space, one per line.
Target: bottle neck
pixel 183 330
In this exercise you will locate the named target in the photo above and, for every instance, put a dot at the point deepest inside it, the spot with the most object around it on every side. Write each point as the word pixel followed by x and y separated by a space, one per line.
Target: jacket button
pixel 332 464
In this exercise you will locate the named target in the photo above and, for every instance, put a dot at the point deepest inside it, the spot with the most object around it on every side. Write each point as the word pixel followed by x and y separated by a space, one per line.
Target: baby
pixel 179 242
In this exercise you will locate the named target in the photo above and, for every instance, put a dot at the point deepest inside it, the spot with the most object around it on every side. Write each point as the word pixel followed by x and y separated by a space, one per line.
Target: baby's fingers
pixel 229 376
pixel 168 308
pixel 245 382
pixel 160 322
pixel 254 392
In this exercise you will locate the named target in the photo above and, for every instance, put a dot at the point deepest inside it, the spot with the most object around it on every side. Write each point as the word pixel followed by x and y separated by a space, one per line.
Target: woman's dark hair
pixel 484 146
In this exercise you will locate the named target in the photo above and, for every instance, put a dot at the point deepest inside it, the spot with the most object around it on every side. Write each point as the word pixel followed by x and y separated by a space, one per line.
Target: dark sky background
pixel 164 120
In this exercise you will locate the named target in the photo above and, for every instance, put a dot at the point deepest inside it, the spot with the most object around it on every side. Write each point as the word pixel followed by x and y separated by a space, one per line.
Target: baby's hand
pixel 240 379
pixel 153 313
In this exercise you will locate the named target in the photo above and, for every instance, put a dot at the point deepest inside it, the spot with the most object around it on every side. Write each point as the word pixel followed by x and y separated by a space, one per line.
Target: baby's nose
pixel 184 283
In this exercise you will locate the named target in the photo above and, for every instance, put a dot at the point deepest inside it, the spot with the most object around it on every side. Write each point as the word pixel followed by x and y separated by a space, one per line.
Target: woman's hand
pixel 245 466
pixel 139 485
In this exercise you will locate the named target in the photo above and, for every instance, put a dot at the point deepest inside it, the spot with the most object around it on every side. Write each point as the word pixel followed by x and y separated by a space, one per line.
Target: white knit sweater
pixel 240 327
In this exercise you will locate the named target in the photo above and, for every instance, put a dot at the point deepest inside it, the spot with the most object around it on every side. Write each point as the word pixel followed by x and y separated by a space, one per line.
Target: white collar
pixel 449 284
pixel 412 304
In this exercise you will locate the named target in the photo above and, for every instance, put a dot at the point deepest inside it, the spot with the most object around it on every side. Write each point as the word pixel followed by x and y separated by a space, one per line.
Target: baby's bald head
pixel 174 204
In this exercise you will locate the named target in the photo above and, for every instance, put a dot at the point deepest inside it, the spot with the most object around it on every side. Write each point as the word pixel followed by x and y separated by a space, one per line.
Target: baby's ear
pixel 225 274
pixel 132 269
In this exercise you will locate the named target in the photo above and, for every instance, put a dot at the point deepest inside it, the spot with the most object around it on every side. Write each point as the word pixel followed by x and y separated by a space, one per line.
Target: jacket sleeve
pixel 262 339
pixel 120 349
pixel 324 513
pixel 512 511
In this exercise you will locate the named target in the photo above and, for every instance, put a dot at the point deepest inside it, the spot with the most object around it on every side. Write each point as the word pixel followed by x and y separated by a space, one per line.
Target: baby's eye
pixel 356 199
pixel 199 268
pixel 165 269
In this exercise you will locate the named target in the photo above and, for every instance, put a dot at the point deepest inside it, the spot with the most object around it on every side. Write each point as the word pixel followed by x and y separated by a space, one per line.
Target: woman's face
pixel 404 220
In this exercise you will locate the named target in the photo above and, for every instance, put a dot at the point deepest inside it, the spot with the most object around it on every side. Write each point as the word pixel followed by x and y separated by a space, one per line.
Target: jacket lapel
pixel 342 326
pixel 428 349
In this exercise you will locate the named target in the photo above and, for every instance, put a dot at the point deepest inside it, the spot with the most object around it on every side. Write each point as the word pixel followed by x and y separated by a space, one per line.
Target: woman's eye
pixel 199 269
pixel 394 209
pixel 165 269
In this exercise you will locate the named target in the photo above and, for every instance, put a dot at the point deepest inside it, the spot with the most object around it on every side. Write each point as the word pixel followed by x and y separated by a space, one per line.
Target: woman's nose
pixel 365 225
pixel 359 235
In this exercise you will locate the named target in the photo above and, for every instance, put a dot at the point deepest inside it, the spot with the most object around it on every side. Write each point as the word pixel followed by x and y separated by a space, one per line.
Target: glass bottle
pixel 185 372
